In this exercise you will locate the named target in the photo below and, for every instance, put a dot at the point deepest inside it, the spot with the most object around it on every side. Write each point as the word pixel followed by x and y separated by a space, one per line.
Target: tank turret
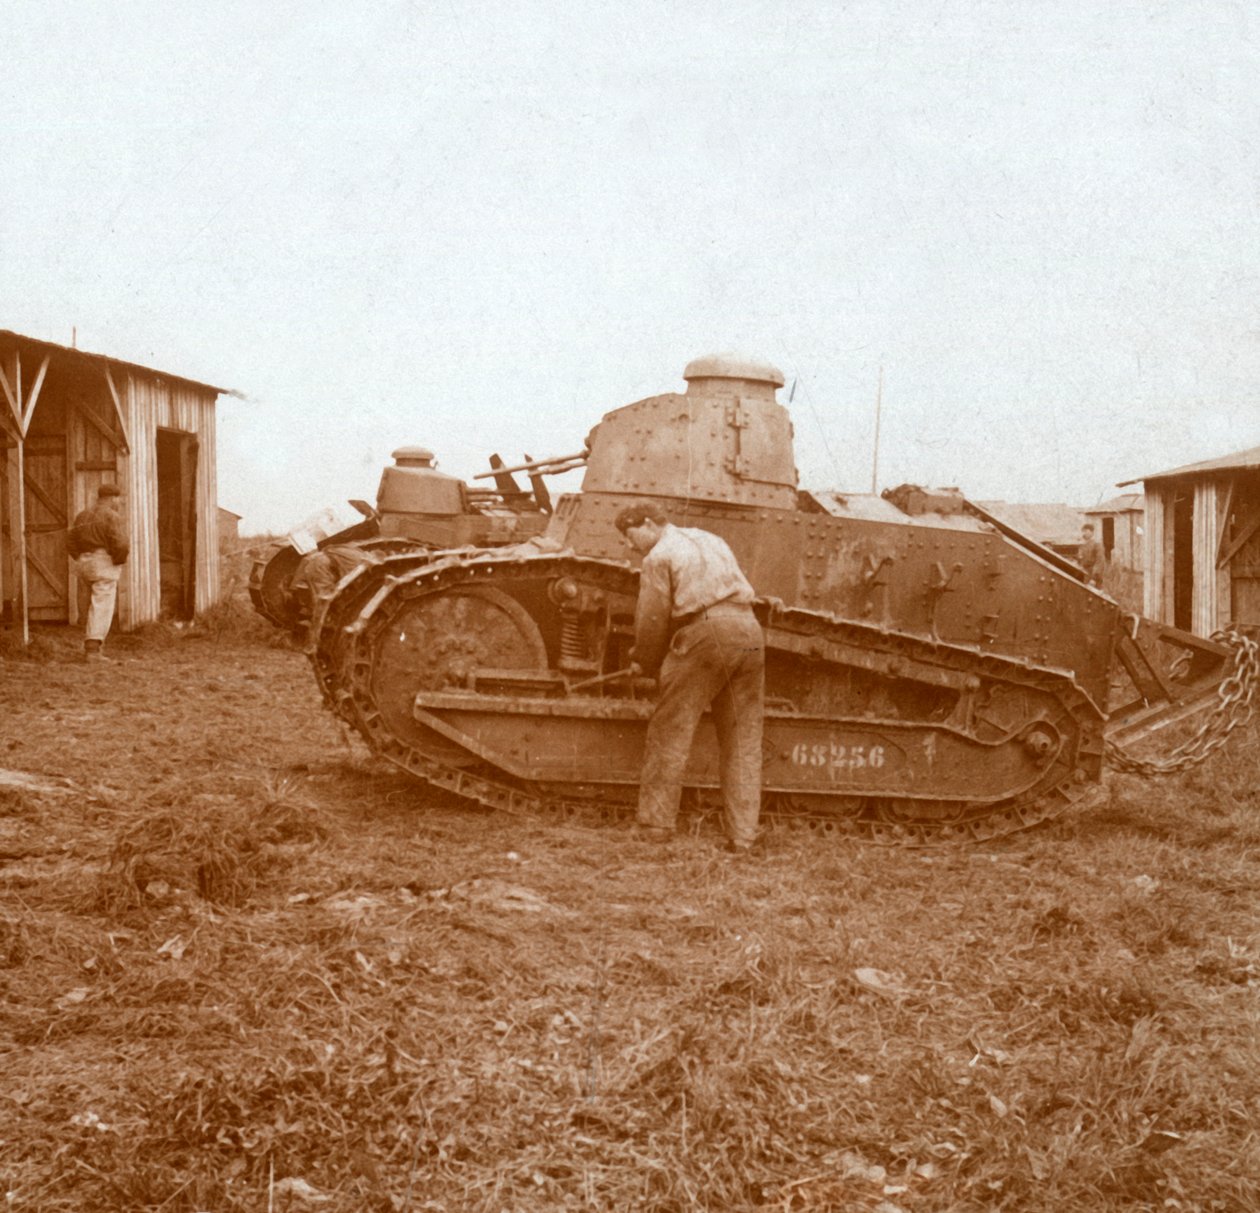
pixel 725 439
pixel 415 486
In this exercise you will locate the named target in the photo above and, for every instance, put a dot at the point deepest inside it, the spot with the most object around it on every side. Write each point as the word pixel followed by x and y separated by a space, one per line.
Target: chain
pixel 1235 694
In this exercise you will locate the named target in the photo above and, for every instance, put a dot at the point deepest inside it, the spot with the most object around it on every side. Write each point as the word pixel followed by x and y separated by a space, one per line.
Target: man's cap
pixel 638 514
pixel 109 490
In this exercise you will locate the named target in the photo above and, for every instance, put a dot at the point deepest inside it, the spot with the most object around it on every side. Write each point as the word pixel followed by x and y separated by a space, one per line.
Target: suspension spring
pixel 572 647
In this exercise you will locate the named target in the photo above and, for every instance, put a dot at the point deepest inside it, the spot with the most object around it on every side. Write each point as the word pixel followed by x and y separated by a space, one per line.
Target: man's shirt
pixel 1091 558
pixel 686 571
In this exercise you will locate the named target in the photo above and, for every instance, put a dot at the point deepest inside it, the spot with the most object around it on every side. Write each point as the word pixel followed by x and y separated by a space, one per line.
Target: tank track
pixel 350 624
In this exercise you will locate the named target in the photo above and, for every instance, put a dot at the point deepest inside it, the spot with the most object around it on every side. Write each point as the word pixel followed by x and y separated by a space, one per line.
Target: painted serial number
pixel 838 757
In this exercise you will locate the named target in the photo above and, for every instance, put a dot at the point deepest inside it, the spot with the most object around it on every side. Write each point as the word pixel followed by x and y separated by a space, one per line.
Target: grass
pixel 245 968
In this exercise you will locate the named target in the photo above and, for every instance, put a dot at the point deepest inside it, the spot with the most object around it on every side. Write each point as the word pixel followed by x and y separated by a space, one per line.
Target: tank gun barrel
pixel 553 465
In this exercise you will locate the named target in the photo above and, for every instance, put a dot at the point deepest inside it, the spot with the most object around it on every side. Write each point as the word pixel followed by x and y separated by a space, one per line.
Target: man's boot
pixel 92 651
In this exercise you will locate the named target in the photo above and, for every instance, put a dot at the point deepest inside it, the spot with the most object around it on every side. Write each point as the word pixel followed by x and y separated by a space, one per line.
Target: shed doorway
pixel 177 521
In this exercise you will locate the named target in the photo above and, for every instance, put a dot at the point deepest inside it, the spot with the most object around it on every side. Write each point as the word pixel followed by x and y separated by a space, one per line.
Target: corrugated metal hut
pixel 1202 543
pixel 69 422
pixel 1057 526
pixel 1120 530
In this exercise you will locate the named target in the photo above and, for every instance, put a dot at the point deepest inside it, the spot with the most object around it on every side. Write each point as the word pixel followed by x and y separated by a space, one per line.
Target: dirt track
pixel 246 968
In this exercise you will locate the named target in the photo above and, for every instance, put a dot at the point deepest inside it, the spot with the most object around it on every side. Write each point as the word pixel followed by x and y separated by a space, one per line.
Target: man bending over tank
pixel 317 575
pixel 695 625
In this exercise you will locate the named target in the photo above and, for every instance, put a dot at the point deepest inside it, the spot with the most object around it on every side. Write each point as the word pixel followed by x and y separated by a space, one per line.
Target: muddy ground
pixel 244 966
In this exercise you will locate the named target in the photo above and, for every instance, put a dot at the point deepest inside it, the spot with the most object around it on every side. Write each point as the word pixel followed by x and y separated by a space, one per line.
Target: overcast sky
pixel 478 227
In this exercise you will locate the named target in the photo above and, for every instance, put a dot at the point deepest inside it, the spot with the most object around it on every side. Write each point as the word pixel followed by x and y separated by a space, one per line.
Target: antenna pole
pixel 879 402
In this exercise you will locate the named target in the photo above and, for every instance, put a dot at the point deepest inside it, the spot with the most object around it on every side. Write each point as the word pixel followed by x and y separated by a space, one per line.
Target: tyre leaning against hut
pixel 99 545
pixel 694 623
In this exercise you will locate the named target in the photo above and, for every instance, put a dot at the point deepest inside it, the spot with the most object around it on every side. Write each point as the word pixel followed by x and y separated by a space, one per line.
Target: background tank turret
pixel 418 509
pixel 932 674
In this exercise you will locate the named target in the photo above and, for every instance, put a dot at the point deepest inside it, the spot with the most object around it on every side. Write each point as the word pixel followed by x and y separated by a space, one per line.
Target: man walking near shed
pixel 695 624
pixel 98 542
pixel 1090 556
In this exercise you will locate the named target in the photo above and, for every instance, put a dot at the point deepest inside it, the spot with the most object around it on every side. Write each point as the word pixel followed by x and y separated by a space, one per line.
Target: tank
pixel 932 676
pixel 418 510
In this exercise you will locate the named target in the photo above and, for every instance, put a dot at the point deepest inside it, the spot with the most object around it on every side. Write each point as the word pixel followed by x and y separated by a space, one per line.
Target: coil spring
pixel 572 649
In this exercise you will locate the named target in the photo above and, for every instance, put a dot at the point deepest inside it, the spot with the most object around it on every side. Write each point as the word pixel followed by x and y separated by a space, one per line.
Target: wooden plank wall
pixel 8 509
pixel 1137 544
pixel 1224 587
pixel 1204 602
pixel 150 404
pixel 92 452
pixel 1157 583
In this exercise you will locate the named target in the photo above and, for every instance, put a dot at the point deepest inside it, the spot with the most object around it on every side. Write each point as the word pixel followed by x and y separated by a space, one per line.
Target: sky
pixel 479 226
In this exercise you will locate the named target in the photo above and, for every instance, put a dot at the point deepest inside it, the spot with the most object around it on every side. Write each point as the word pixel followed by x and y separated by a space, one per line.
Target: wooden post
pixel 23 572
pixel 1204 547
pixel 1153 554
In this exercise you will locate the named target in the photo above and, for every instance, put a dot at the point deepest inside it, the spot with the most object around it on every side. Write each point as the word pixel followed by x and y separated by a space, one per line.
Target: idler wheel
pixel 439 641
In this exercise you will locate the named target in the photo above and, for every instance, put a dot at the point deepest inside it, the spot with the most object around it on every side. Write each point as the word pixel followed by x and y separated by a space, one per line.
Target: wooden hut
pixel 1118 523
pixel 229 528
pixel 71 421
pixel 1202 543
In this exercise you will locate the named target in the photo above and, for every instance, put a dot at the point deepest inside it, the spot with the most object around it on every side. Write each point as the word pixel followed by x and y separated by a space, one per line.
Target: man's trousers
pixel 717 662
pixel 100 574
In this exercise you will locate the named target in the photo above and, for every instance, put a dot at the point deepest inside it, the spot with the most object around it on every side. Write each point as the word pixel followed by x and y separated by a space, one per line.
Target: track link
pixel 349 626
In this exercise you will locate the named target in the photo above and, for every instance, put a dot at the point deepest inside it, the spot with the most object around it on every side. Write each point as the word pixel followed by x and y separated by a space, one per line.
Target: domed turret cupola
pixel 732 375
pixel 727 439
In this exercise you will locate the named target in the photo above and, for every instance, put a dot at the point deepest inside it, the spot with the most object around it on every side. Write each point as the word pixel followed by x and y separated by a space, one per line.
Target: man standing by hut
pixel 1091 557
pixel 99 545
pixel 694 622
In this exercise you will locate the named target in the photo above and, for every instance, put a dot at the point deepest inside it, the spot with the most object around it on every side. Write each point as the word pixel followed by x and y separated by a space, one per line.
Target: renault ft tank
pixel 931 675
pixel 418 509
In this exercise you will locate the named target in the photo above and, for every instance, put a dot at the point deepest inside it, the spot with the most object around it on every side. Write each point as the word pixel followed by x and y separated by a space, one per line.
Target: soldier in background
pixel 317 575
pixel 1091 557
pixel 99 545
pixel 694 621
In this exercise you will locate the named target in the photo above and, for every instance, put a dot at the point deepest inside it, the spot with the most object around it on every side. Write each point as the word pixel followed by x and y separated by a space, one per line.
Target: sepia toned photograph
pixel 630 607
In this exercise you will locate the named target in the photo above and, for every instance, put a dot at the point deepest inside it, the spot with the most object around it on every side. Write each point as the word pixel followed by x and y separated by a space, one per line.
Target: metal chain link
pixel 1234 709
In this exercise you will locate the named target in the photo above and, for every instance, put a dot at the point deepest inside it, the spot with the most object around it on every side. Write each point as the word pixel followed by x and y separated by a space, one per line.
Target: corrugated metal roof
pixel 871 508
pixel 135 366
pixel 1052 523
pixel 1118 505
pixel 1239 461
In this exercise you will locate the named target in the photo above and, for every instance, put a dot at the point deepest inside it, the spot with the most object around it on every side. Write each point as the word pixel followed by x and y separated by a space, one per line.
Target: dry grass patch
pixel 249 969
pixel 218 845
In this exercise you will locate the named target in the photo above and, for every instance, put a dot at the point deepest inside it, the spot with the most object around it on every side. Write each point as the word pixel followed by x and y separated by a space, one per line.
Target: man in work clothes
pixel 318 573
pixel 1090 555
pixel 98 542
pixel 694 623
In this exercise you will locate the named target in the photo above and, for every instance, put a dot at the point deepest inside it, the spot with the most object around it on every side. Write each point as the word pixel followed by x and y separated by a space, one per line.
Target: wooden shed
pixel 1120 529
pixel 1202 543
pixel 71 421
pixel 229 527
